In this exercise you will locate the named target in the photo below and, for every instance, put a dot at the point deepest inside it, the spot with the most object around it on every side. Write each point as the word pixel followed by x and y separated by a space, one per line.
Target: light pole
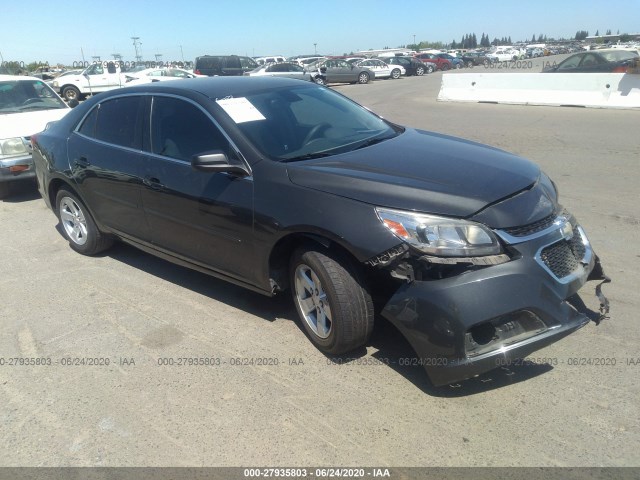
pixel 135 45
pixel 315 50
pixel 414 40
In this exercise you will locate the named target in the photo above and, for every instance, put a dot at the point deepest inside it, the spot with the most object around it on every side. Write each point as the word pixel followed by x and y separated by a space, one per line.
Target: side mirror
pixel 217 162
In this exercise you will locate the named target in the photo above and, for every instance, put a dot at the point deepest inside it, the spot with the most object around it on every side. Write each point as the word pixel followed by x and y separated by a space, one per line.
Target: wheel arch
pixel 280 255
pixel 56 184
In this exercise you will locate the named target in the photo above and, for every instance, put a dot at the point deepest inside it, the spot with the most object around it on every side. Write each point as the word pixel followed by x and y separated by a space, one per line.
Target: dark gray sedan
pixel 599 61
pixel 335 70
pixel 280 185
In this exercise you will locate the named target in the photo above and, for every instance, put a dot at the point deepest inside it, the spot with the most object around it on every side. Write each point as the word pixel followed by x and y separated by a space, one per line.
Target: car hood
pixel 24 124
pixel 430 173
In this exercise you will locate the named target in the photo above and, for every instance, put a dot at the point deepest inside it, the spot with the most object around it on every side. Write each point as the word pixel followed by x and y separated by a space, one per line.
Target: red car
pixel 432 59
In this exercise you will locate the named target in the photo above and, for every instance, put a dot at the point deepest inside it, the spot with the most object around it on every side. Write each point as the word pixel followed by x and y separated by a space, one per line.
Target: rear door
pixel 203 217
pixel 106 162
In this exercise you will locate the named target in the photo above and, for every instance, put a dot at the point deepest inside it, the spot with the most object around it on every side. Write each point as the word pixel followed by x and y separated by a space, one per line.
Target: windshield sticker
pixel 240 109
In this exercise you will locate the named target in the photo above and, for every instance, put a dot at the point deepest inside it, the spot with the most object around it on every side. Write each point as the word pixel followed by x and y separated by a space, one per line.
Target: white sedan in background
pixel 150 75
pixel 382 69
pixel 283 69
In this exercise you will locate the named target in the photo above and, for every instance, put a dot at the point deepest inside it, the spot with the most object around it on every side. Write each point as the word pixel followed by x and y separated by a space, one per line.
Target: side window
pixel 570 62
pixel 88 127
pixel 95 69
pixel 589 60
pixel 118 122
pixel 181 130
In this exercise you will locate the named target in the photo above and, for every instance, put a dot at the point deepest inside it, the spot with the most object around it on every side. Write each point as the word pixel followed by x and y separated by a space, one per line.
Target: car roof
pixel 213 87
pixel 17 77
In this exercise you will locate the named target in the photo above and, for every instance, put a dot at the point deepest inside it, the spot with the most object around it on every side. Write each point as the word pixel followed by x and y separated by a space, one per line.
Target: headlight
pixel 440 235
pixel 10 147
pixel 56 84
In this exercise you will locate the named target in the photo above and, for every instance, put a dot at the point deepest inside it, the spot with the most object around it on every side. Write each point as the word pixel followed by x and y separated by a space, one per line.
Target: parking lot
pixel 266 396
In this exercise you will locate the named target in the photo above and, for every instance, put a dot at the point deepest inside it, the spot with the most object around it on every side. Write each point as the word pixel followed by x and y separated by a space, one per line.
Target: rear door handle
pixel 153 183
pixel 81 162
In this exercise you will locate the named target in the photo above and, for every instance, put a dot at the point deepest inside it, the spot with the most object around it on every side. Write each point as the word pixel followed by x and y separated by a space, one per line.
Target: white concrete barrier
pixel 598 90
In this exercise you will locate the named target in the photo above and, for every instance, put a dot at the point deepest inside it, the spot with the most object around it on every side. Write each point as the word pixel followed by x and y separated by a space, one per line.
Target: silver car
pixel 285 69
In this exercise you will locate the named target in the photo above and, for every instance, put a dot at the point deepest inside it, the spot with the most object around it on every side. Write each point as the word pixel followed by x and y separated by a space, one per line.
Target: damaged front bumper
pixel 471 323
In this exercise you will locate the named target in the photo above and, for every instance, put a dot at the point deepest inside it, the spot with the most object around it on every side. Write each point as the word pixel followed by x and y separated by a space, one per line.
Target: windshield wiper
pixel 308 156
pixel 36 106
pixel 372 141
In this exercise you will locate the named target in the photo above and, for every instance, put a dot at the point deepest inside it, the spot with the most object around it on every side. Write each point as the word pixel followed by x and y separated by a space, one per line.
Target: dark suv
pixel 223 65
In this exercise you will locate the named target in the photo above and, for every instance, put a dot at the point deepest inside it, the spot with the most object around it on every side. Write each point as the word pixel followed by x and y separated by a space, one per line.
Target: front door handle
pixel 153 183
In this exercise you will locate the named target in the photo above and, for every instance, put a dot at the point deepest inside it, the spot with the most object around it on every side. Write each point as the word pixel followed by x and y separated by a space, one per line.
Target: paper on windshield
pixel 240 109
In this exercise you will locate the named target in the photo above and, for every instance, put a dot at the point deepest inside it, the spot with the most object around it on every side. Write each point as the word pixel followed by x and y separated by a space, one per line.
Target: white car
pixel 27 105
pixel 284 69
pixel 506 54
pixel 382 69
pixel 151 75
pixel 270 59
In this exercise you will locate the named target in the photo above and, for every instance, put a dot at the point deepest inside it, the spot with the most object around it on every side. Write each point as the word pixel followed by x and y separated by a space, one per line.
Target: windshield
pixel 310 121
pixel 27 95
pixel 619 55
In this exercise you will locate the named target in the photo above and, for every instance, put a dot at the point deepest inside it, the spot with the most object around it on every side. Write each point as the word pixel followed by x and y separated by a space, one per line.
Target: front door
pixel 203 217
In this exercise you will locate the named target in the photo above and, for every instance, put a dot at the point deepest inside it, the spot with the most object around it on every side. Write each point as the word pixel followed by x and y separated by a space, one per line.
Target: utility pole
pixel 181 54
pixel 158 58
pixel 135 45
pixel 315 50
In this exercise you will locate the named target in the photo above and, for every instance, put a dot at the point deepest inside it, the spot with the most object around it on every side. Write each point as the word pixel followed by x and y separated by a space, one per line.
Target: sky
pixel 182 30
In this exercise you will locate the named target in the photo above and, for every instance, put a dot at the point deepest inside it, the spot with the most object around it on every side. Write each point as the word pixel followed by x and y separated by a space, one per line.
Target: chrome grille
pixel 532 228
pixel 577 246
pixel 560 257
pixel 535 227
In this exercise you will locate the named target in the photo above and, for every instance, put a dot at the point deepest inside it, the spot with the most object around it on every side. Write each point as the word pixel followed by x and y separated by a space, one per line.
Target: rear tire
pixel 363 78
pixel 319 80
pixel 430 68
pixel 332 300
pixel 4 190
pixel 78 225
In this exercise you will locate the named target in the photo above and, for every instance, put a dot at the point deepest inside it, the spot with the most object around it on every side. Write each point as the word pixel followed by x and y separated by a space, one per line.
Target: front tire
pixel 70 93
pixel 419 71
pixel 319 80
pixel 395 73
pixel 78 226
pixel 332 300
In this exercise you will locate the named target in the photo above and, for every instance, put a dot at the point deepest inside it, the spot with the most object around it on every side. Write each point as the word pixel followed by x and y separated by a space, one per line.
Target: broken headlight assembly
pixel 440 236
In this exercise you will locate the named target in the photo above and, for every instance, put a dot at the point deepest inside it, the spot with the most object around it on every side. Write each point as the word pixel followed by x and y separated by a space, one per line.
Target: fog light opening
pixel 483 334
